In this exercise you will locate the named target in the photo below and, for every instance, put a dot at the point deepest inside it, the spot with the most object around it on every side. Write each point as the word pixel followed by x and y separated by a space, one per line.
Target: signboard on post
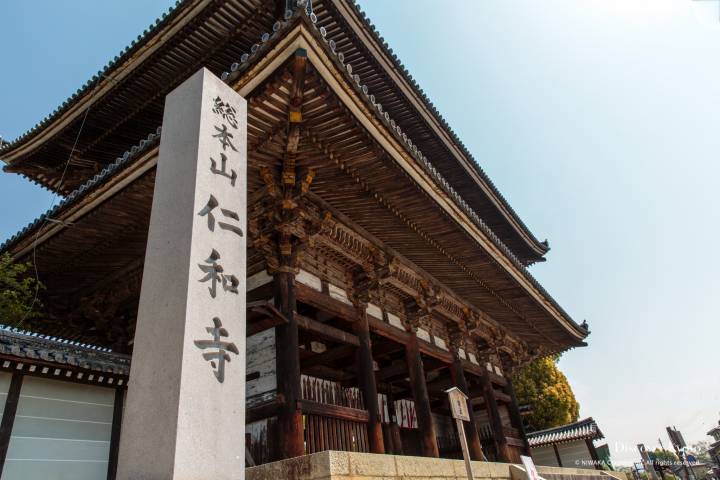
pixel 185 410
pixel 530 470
pixel 460 412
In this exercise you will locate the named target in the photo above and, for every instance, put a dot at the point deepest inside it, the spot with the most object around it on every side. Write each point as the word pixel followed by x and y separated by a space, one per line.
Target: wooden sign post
pixel 459 409
pixel 530 470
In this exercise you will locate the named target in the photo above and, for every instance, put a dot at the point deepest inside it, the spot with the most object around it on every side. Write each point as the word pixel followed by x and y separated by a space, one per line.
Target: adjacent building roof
pixel 35 347
pixel 124 101
pixel 582 429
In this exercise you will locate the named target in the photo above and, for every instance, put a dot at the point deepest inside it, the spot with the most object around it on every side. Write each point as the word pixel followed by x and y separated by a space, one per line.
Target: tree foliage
pixel 542 385
pixel 18 291
pixel 664 456
pixel 700 451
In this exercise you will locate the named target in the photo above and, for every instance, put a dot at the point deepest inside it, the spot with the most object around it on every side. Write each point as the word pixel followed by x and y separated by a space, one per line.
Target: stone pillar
pixel 368 385
pixel 185 412
pixel 458 375
pixel 421 398
pixel 290 422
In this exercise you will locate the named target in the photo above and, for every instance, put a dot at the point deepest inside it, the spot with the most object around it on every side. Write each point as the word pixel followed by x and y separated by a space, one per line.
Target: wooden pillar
pixel 397 448
pixel 593 454
pixel 501 446
pixel 368 385
pixel 290 422
pixel 557 455
pixel 115 433
pixel 8 418
pixel 515 416
pixel 471 432
pixel 421 397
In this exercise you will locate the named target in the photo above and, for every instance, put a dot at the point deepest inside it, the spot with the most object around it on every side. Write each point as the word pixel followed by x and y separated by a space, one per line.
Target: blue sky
pixel 597 119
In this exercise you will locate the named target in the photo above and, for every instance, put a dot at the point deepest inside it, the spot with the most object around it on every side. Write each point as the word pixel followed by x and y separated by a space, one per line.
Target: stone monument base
pixel 332 465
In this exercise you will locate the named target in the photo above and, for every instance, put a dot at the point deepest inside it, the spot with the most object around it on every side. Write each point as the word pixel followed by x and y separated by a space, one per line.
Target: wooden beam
pixel 557 455
pixel 290 422
pixel 426 425
pixel 261 316
pixel 329 357
pixel 326 303
pixel 8 418
pixel 593 453
pixel 496 424
pixel 326 331
pixel 334 411
pixel 473 437
pixel 264 410
pixel 516 418
pixel 367 382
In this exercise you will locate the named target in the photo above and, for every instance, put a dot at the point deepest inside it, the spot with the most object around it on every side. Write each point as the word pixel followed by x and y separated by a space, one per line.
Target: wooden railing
pixel 328 433
pixel 335 417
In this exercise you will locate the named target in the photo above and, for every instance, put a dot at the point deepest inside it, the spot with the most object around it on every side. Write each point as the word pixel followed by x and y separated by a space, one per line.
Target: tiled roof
pixel 155 29
pixel 108 172
pixel 43 348
pixel 266 41
pixel 579 430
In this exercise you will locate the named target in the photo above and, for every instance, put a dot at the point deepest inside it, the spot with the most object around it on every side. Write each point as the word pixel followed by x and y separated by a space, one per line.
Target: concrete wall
pixel 367 466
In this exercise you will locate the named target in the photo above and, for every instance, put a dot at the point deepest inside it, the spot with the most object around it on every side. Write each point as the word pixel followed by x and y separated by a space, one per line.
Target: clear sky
pixel 597 119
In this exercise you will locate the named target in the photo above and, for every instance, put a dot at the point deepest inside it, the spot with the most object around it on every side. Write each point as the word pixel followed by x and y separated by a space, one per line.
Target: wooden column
pixel 421 397
pixel 557 455
pixel 368 385
pixel 515 416
pixel 593 453
pixel 471 432
pixel 8 418
pixel 290 423
pixel 115 433
pixel 501 446
pixel 394 427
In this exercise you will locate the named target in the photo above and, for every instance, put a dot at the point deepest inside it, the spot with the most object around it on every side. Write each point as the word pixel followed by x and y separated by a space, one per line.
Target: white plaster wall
pixel 61 431
pixel 545 456
pixel 261 359
pixel 575 454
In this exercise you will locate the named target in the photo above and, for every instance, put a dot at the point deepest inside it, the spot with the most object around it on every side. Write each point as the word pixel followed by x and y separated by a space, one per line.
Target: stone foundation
pixel 331 465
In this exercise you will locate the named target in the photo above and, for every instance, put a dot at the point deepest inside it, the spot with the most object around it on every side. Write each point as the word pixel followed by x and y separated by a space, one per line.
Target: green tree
pixel 700 451
pixel 664 456
pixel 542 385
pixel 18 292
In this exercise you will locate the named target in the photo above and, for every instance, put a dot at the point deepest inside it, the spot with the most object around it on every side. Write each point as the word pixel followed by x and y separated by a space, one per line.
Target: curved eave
pixel 103 83
pixel 99 85
pixel 368 34
pixel 311 37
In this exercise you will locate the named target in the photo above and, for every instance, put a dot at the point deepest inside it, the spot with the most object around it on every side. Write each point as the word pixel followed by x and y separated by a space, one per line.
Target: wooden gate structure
pixel 383 265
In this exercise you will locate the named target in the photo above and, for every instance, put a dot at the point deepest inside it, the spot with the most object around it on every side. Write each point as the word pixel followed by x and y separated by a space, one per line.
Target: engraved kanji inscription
pixel 224 137
pixel 226 111
pixel 214 273
pixel 218 357
pixel 207 210
pixel 223 170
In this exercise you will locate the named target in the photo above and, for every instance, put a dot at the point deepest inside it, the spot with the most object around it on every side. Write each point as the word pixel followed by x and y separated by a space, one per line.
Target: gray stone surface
pixel 332 465
pixel 183 420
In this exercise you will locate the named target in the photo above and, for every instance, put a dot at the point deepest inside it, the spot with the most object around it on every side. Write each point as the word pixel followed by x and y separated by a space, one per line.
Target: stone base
pixel 332 465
